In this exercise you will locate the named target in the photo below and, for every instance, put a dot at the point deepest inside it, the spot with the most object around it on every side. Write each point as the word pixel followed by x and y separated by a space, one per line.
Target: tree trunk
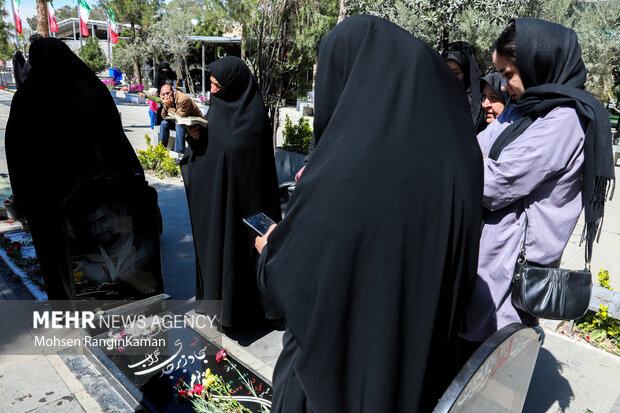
pixel 136 64
pixel 276 119
pixel 190 83
pixel 343 10
pixel 42 19
pixel 444 41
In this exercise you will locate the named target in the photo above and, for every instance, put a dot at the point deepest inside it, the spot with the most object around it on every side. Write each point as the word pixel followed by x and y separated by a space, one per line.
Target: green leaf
pixel 598 335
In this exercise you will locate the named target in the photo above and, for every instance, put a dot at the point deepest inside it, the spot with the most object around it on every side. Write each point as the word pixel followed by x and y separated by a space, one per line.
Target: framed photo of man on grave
pixel 114 226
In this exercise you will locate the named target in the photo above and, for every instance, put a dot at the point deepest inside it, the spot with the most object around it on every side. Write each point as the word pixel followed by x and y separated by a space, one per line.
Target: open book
pixel 187 121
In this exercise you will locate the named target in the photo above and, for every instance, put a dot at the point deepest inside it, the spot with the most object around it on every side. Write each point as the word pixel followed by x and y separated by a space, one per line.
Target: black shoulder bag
pixel 552 293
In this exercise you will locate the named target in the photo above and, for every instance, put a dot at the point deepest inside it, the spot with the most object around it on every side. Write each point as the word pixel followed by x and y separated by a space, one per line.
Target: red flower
pixel 190 392
pixel 588 337
pixel 221 355
pixel 182 393
pixel 198 388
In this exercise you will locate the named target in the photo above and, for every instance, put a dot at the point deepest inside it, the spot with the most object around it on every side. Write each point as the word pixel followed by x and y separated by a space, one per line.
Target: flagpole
pixel 109 55
pixel 79 20
pixel 15 25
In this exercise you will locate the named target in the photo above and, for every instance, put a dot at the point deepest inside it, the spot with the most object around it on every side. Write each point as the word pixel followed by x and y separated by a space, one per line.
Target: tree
pixel 280 40
pixel 598 29
pixel 92 55
pixel 170 34
pixel 68 12
pixel 6 50
pixel 139 14
pixel 42 18
pixel 439 22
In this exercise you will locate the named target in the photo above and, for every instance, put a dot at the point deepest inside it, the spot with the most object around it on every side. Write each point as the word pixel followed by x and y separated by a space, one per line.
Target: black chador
pixel 373 263
pixel 50 152
pixel 229 174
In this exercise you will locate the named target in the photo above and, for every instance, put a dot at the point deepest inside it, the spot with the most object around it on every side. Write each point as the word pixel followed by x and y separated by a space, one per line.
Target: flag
pixel 52 17
pixel 18 20
pixel 112 26
pixel 84 13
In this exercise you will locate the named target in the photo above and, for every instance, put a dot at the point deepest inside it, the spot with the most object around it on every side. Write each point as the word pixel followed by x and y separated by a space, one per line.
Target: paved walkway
pixel 570 376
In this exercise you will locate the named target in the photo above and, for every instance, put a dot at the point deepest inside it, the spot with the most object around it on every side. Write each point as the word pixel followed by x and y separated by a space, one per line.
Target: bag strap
pixel 523 256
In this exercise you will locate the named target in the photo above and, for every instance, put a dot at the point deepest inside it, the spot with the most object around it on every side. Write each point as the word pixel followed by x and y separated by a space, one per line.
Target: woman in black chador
pixel 229 174
pixel 50 152
pixel 461 58
pixel 371 266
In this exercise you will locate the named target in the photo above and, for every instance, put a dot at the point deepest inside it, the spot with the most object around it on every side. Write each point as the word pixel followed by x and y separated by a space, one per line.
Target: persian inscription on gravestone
pixel 170 355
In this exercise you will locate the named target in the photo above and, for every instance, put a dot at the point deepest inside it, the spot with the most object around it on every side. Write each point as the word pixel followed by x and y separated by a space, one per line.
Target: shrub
pixel 297 137
pixel 601 326
pixel 93 56
pixel 155 158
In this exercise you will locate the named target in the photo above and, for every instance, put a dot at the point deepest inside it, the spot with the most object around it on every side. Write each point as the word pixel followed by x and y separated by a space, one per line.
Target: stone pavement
pixel 570 376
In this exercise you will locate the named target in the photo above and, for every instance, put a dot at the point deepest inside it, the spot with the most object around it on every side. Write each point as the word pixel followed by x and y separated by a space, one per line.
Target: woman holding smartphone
pixel 374 260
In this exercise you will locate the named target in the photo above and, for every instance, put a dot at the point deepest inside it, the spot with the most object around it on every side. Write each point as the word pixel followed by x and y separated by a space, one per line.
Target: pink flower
pixel 198 388
pixel 221 355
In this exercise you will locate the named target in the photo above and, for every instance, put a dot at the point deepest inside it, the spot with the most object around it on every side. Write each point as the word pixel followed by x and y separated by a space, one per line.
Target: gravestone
pixel 113 231
pixel 168 354
pixel 497 376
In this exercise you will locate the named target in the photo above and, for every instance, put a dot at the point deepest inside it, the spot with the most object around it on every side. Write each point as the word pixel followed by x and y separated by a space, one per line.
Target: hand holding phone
pixel 260 242
pixel 260 223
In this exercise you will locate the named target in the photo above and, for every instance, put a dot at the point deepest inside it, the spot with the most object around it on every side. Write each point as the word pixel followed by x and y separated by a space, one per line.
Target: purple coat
pixel 539 173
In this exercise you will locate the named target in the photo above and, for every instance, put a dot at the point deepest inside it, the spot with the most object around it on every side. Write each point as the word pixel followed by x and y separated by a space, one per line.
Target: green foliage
pixel 155 158
pixel 124 53
pixel 169 35
pixel 6 49
pixel 140 14
pixel 603 279
pixel 281 38
pixel 67 12
pixel 92 55
pixel 297 137
pixel 135 12
pixel 600 326
pixel 440 22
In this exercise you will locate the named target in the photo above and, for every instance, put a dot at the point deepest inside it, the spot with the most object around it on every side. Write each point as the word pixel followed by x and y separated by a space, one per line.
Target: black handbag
pixel 552 293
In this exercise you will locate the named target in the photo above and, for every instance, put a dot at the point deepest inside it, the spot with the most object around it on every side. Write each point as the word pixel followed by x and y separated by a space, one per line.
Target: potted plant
pixel 133 94
pixel 110 83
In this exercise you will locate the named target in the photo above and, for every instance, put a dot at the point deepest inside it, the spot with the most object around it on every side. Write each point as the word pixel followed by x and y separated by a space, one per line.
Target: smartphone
pixel 260 223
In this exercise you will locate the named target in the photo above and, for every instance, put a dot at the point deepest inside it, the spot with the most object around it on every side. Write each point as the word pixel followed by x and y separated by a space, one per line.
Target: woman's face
pixel 511 79
pixel 456 69
pixel 215 86
pixel 492 104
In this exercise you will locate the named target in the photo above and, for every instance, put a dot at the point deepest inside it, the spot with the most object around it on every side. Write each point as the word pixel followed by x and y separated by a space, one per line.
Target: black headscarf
pixel 162 74
pixel 19 66
pixel 48 159
pixel 463 54
pixel 230 174
pixel 494 80
pixel 553 74
pixel 375 258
